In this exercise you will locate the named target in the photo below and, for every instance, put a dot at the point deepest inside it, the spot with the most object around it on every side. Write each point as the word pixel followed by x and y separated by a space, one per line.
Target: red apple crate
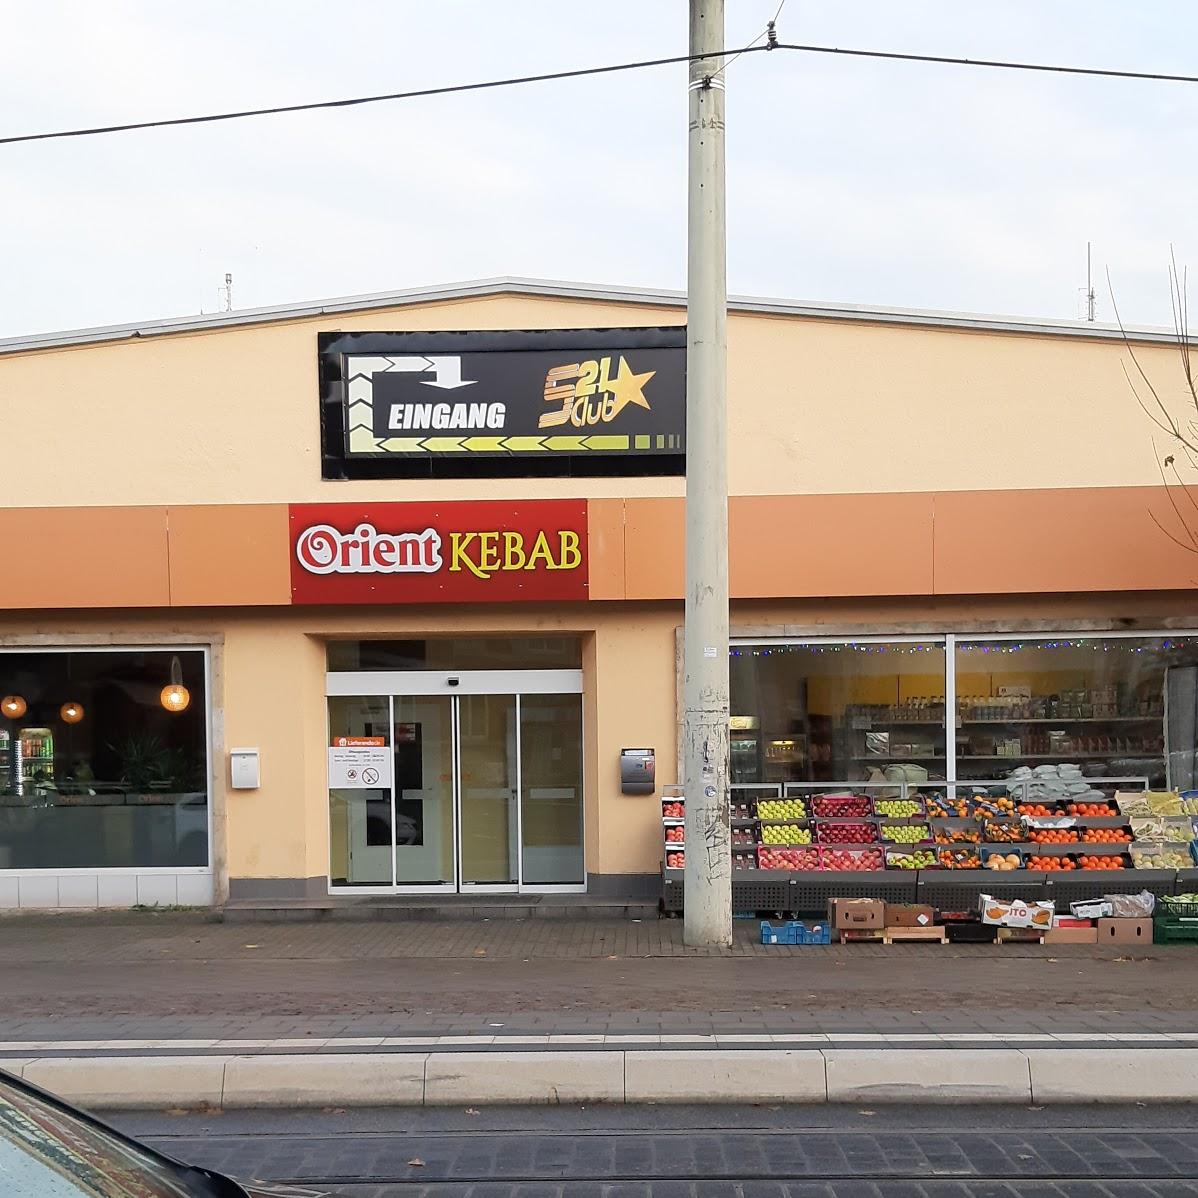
pixel 842 806
pixel 856 852
pixel 845 831
pixel 792 853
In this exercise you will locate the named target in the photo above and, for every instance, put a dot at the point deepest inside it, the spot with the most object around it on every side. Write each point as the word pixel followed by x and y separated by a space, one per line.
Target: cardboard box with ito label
pixel 1015 913
pixel 909 915
pixel 1125 931
pixel 847 914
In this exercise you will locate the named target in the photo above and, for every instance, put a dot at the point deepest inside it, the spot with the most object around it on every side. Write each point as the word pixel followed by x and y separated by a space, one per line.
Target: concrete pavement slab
pixel 914 1075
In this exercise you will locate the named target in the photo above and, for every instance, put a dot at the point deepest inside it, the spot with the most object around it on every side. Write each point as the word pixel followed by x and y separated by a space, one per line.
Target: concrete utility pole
pixel 708 905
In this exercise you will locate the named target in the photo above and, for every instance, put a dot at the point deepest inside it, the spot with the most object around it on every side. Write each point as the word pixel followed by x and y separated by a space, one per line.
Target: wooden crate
pixel 927 935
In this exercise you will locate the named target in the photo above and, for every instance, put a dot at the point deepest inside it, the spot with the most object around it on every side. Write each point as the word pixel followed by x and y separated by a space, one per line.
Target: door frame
pixel 390 684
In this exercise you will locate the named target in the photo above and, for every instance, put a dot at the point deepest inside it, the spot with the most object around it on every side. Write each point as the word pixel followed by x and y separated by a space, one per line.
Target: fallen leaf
pixel 480 952
pixel 471 1111
pixel 416 1163
pixel 249 946
pixel 867 1112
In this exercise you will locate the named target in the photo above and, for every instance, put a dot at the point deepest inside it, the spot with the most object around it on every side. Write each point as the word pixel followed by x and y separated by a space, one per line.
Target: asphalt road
pixel 697 1152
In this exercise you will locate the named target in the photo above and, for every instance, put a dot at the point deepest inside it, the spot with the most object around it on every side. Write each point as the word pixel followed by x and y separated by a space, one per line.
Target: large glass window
pixel 1118 707
pixel 1109 706
pixel 103 759
pixel 851 710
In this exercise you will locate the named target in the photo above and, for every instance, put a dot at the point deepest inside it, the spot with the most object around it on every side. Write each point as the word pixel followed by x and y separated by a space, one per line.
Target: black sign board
pixel 560 401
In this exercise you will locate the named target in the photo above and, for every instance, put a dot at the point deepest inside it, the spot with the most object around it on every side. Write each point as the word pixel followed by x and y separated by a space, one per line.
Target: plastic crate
pixel 1174 931
pixel 795 932
pixel 840 806
pixel 1169 905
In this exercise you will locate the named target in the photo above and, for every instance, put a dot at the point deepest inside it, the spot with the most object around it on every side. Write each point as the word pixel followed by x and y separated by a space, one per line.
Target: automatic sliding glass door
pixel 476 789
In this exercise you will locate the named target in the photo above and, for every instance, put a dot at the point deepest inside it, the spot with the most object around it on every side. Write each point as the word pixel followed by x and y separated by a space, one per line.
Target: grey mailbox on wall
pixel 637 772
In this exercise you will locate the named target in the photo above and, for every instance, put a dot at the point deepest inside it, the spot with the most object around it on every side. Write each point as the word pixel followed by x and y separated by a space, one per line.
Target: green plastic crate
pixel 1167 930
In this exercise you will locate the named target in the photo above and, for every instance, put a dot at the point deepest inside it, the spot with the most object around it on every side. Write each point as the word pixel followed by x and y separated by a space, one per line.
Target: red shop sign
pixel 488 552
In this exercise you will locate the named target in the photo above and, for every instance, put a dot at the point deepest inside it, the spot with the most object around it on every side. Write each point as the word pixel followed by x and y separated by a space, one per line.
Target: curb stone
pixel 312 1080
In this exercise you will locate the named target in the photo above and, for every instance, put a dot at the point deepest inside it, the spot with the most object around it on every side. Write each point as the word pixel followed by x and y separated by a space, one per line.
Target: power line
pixel 358 100
pixel 515 81
pixel 1100 72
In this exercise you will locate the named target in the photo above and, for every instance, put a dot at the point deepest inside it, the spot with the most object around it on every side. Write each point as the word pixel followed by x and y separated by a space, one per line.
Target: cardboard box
pixel 1071 936
pixel 1091 909
pixel 1125 931
pixel 909 915
pixel 1016 913
pixel 857 913
pixel 1071 921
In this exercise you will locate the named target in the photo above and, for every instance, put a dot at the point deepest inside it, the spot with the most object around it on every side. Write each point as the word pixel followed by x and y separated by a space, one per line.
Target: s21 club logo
pixel 592 392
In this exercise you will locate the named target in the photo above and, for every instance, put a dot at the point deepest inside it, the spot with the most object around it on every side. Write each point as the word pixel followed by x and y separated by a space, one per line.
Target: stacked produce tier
pixel 1029 833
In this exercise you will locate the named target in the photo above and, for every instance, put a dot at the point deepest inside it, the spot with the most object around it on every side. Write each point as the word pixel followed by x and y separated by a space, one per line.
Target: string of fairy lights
pixel 913 648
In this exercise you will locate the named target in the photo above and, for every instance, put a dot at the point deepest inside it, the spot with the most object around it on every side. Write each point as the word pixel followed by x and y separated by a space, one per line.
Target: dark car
pixel 49 1149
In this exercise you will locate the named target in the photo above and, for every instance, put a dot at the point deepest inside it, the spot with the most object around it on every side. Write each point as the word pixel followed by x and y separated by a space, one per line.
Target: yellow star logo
pixel 627 388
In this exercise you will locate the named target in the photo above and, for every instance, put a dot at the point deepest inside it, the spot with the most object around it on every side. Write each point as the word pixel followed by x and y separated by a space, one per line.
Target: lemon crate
pixel 795 932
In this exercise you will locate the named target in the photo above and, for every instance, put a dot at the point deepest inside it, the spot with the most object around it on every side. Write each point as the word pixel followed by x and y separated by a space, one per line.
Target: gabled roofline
pixel 511 285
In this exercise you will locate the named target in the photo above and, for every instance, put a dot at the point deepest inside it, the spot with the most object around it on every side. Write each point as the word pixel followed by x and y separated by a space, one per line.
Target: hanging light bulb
pixel 71 713
pixel 13 706
pixel 176 696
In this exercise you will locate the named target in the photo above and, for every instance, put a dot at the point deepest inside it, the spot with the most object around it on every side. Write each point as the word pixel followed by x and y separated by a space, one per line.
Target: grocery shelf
pixel 1085 719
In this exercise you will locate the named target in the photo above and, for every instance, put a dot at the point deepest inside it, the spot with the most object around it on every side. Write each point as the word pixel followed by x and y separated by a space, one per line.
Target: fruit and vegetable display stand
pixel 796 846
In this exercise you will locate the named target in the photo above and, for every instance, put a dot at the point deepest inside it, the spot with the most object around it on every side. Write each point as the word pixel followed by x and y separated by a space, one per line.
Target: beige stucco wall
pixel 817 406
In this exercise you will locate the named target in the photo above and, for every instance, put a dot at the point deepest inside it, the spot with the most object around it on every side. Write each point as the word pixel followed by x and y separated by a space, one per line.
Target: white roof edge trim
pixel 550 288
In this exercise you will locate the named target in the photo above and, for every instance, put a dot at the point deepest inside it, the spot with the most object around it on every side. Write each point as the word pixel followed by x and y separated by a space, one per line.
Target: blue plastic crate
pixel 795 932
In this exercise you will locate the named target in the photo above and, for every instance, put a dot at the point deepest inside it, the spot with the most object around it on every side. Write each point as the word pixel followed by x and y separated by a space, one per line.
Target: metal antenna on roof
pixel 1089 287
pixel 227 292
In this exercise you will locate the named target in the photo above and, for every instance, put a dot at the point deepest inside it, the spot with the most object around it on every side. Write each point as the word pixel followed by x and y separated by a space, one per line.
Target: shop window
pixel 1107 707
pixel 103 759
pixel 851 711
pixel 458 653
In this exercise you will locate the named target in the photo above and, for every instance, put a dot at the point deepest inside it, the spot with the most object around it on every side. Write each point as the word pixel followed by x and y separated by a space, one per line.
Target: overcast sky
pixel 854 181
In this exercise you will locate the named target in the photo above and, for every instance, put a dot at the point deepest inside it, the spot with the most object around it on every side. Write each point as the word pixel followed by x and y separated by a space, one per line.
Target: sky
pixel 850 181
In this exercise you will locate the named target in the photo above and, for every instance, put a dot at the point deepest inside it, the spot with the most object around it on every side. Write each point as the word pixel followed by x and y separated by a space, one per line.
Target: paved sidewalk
pixel 172 1010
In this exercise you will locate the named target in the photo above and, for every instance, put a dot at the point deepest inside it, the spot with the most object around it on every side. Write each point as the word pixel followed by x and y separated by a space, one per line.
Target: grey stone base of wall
pixel 609 896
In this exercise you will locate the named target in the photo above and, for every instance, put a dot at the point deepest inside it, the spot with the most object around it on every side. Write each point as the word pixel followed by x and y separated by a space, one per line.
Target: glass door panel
pixel 424 823
pixel 487 787
pixel 551 789
pixel 360 817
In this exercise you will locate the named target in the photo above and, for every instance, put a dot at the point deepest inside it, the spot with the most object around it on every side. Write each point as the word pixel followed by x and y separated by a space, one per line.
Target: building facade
pixel 292 604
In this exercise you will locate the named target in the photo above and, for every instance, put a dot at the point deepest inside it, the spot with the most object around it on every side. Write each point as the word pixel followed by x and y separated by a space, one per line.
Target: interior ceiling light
pixel 71 713
pixel 13 706
pixel 175 697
